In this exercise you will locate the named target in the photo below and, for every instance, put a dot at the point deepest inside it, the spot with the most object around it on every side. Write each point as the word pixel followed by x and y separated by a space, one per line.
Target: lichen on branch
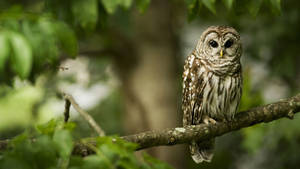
pixel 180 135
pixel 270 112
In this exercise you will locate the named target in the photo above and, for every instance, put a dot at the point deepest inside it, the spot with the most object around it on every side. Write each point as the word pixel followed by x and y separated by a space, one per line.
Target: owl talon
pixel 208 120
pixel 213 121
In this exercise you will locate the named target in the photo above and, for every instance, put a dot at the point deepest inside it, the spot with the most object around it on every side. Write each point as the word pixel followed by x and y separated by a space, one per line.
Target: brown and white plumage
pixel 212 83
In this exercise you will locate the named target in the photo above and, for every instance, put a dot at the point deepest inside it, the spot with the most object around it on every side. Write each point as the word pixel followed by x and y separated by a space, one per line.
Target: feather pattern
pixel 211 88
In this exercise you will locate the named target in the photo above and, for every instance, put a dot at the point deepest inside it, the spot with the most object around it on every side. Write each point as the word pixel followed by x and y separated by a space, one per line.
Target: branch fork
pixel 71 101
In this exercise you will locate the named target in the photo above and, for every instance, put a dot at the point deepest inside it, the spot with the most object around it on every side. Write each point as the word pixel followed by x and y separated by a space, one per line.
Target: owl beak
pixel 221 53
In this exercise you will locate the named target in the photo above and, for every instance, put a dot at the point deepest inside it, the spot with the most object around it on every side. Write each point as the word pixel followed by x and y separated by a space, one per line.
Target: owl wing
pixel 193 86
pixel 192 105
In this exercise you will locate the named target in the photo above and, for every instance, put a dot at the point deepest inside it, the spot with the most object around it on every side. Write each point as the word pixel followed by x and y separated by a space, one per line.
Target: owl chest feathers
pixel 221 95
pixel 210 93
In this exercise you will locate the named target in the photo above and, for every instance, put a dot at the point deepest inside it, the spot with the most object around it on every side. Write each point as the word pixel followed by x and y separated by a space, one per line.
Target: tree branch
pixel 267 113
pixel 179 135
pixel 70 101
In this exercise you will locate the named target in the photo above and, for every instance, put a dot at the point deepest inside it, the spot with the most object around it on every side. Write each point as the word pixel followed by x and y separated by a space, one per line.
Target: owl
pixel 212 84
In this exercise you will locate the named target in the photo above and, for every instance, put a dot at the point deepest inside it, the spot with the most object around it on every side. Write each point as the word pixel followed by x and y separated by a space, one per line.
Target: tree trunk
pixel 150 79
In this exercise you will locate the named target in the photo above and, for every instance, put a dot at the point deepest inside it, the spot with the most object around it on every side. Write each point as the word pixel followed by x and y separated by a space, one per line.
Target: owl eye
pixel 228 43
pixel 213 43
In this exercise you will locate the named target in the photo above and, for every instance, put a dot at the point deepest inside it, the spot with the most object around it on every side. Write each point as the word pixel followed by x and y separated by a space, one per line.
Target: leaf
pixel 40 35
pixel 228 3
pixel 70 126
pixel 86 13
pixel 75 162
pixel 110 5
pixel 16 106
pixel 125 3
pixel 191 4
pixel 21 55
pixel 142 5
pixel 4 50
pixel 110 151
pixel 193 8
pixel 67 39
pixel 129 146
pixel 10 161
pixel 94 162
pixel 19 139
pixel 276 5
pixel 48 128
pixel 210 4
pixel 64 142
pixel 254 7
pixel 43 153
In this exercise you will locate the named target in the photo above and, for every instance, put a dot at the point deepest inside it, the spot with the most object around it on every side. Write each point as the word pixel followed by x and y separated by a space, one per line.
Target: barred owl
pixel 212 84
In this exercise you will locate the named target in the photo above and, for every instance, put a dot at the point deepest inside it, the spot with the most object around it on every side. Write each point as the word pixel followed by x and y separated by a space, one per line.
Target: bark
pixel 180 135
pixel 267 113
pixel 149 76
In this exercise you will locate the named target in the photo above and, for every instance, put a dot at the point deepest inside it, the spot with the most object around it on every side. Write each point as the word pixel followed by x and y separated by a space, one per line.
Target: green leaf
pixel 210 4
pixel 110 5
pixel 55 152
pixel 228 3
pixel 191 3
pixel 193 8
pixel 86 13
pixel 64 142
pixel 21 55
pixel 41 36
pixel 48 128
pixel 19 139
pixel 276 5
pixel 4 50
pixel 126 3
pixel 254 7
pixel 67 39
pixel 94 162
pixel 16 106
pixel 70 126
pixel 75 162
pixel 142 5
pixel 42 152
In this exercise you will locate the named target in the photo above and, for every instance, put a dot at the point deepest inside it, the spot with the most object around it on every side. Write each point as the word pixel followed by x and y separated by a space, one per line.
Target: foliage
pixel 196 7
pixel 32 44
pixel 37 35
pixel 34 41
pixel 50 146
pixel 15 105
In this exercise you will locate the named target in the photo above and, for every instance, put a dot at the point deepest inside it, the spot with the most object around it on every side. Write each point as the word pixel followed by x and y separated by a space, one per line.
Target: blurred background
pixel 122 61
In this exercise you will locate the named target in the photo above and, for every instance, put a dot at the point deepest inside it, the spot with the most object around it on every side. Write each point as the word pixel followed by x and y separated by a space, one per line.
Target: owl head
pixel 219 43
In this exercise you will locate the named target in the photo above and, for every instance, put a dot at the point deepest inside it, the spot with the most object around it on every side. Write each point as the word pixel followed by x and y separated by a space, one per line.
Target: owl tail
pixel 202 151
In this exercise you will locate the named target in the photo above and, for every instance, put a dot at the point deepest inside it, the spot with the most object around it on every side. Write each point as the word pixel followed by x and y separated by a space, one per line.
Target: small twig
pixel 67 110
pixel 84 114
